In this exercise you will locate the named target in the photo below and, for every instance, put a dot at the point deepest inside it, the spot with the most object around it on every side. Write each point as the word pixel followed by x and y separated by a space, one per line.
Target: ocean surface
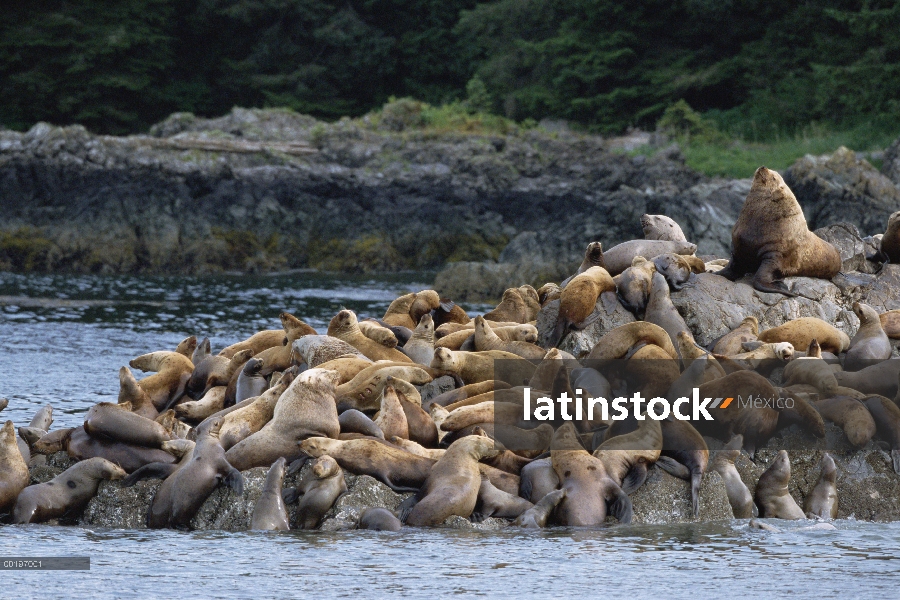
pixel 63 339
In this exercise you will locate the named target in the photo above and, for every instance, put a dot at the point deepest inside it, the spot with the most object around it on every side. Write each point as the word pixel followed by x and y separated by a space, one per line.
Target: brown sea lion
pixel 448 312
pixel 661 227
pixel 452 486
pixel 537 516
pixel 677 269
pixel 822 501
pixel 131 391
pixel 400 470
pixel 270 513
pixel 537 479
pixel 588 487
pixel 661 311
pixel 548 292
pixel 249 383
pixel 187 346
pixel 772 495
pixel 172 371
pixel 467 391
pixel 486 339
pixel 620 257
pixel 320 487
pixel 256 343
pixel 739 496
pixel 240 424
pixel 850 415
pixel 182 450
pixel 398 312
pixel 887 423
pixel 82 446
pixel 890 241
pixel 870 344
pixel 684 455
pixel 378 333
pixel 305 409
pixel 363 392
pixel 67 493
pixel 210 403
pixel 578 299
pixel 633 284
pixel 345 326
pixel 512 308
pixel 690 351
pixel 475 367
pixel 391 418
pixel 14 475
pixel 279 358
pixel 811 370
pixel 593 257
pixel 183 493
pixel 732 342
pixel 111 421
pixel 771 239
pixel 617 342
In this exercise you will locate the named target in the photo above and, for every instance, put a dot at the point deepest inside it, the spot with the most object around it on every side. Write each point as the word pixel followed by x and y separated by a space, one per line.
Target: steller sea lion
pixel 256 343
pixel 626 458
pixel 633 284
pixel 249 382
pixel 887 423
pixel 537 479
pixel 180 449
pixel 822 501
pixel 661 311
pixel 353 421
pixel 82 446
pixel 739 496
pixel 391 418
pixel 548 293
pixel 732 342
pixel 379 519
pixel 772 495
pixel 536 517
pixel 661 227
pixel 14 475
pixel 771 239
pixel 620 257
pixel 497 503
pixel 448 312
pixel 305 409
pixel 890 322
pixel 677 269
pixel 113 422
pixel 345 326
pixel 890 241
pixel 512 308
pixel 850 415
pixel 279 358
pixel 187 346
pixel 243 422
pixel 486 339
pixel 578 299
pixel 269 513
pixel 172 372
pixel 420 347
pixel 452 486
pixel 183 493
pixel 198 410
pixel 870 344
pixel 398 312
pixel 617 342
pixel 131 391
pixel 811 370
pixel 378 333
pixel 588 487
pixel 67 493
pixel 320 487
pixel 800 332
pixel 880 378
pixel 593 257
pixel 475 367
pixel 316 350
pixel 684 455
pixel 400 470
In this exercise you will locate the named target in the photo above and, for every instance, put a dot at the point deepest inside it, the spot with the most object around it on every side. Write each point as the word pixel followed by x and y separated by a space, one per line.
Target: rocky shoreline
pixel 268 190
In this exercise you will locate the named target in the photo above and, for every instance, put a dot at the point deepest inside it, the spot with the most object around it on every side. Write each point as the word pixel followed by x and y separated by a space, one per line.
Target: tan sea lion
pixel 400 470
pixel 347 367
pixel 661 311
pixel 418 449
pixel 800 332
pixel 398 312
pixel 187 346
pixel 345 326
pixel 305 409
pixel 578 300
pixel 183 493
pixel 661 227
pixel 633 284
pixel 321 486
pixel 588 487
pixel 269 513
pixel 14 475
pixel 67 493
pixel 890 322
pixel 130 391
pixel 822 501
pixel 771 239
pixel 364 390
pixel 512 308
pixel 732 342
pixel 377 333
pixel 620 257
pixel 212 402
pixel 391 418
pixel 870 344
pixel 256 343
pixel 475 367
pixel 811 370
pixel 739 496
pixel 486 339
pixel 536 517
pixel 772 495
pixel 172 371
pixel 240 424
pixel 859 426
pixel 497 503
pixel 279 358
pixel 548 292
pixel 617 342
pixel 677 269
pixel 452 485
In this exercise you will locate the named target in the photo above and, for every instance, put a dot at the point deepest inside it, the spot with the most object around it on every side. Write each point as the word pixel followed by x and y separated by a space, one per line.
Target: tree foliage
pixel 751 65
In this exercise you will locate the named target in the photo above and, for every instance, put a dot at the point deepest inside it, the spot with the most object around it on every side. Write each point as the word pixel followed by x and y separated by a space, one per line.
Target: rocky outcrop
pixel 891 165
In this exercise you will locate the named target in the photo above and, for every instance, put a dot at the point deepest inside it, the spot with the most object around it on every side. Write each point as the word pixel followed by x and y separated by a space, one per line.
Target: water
pixel 63 339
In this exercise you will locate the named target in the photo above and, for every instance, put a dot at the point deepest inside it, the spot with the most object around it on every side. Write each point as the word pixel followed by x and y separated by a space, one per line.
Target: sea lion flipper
pixel 477 517
pixel 235 481
pixel 290 495
pixel 297 465
pixel 635 478
pixel 621 507
pixel 696 480
pixel 406 507
pixel 150 471
pixel 610 303
pixel 447 305
pixel 673 468
pixel 765 279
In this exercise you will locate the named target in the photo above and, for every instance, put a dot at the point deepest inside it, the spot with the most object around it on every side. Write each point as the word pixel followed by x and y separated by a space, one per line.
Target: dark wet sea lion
pixel 270 514
pixel 739 496
pixel 772 495
pixel 822 501
pixel 887 422
pixel 379 519
pixel 870 344
pixel 321 486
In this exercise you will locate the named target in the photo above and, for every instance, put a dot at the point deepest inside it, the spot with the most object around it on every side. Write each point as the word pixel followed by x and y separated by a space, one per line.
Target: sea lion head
pixel 320 379
pixel 548 292
pixel 294 328
pixel 345 320
pixel 527 333
pixel 324 467
pixel 477 446
pixel 566 438
pixel 8 435
pixel 178 448
pixel 594 254
pixel 829 470
pixel 781 467
pixel 100 468
pixel 783 350
pixel 252 367
pixel 865 313
pixel 187 346
pixel 814 350
pixel 318 446
pixel 210 428
pixel 444 360
pixel 425 302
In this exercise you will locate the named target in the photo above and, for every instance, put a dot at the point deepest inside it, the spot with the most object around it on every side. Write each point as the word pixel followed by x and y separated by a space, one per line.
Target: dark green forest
pixel 753 67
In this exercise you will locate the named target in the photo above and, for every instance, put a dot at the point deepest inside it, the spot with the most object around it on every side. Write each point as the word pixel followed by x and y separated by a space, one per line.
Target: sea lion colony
pixel 349 399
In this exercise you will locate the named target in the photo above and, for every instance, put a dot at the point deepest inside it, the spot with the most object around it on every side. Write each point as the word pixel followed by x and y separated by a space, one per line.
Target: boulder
pixel 853 249
pixel 891 165
pixel 580 342
pixel 363 492
pixel 667 499
pixel 843 188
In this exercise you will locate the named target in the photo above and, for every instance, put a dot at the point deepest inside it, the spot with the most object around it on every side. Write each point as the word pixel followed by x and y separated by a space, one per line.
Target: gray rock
pixel 119 507
pixel 667 499
pixel 891 165
pixel 363 492
pixel 854 250
pixel 489 524
pixel 841 187
pixel 435 388
pixel 580 342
